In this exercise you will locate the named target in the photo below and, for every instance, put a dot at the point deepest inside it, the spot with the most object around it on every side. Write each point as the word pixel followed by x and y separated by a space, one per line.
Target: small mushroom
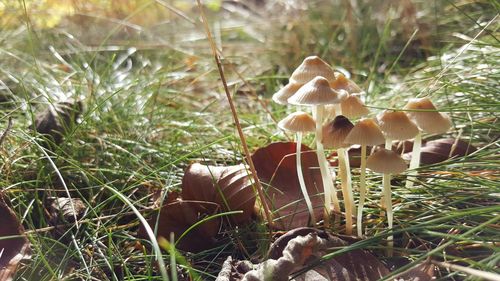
pixel 317 93
pixel 281 96
pixel 352 107
pixel 365 133
pixel 310 68
pixel 343 83
pixel 300 122
pixel 396 126
pixel 334 134
pixel 387 162
pixel 423 112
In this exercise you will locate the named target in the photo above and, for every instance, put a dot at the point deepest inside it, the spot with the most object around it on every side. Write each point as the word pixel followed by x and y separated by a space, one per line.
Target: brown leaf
pixel 12 249
pixel 178 215
pixel 276 166
pixel 300 249
pixel 229 187
pixel 440 150
pixel 421 272
pixel 55 120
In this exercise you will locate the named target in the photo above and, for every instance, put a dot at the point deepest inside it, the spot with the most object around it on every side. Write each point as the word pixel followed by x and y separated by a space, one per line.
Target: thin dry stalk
pixel 248 157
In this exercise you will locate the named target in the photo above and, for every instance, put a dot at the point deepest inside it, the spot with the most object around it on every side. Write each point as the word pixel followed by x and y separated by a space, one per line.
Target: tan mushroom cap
pixel 396 125
pixel 432 122
pixel 353 107
pixel 343 83
pixel 298 122
pixel 335 132
pixel 316 92
pixel 365 132
pixel 311 67
pixel 386 161
pixel 286 92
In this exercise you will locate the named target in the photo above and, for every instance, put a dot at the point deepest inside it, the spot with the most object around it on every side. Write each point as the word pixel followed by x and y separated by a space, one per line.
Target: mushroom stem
pixel 388 143
pixel 326 176
pixel 301 178
pixel 362 191
pixel 388 146
pixel 386 179
pixel 415 160
pixel 346 189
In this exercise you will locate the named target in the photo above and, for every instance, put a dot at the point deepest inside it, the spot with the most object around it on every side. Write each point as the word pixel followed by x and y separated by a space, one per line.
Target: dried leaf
pixel 178 215
pixel 64 209
pixel 421 272
pixel 440 150
pixel 55 120
pixel 229 187
pixel 12 249
pixel 276 166
pixel 300 248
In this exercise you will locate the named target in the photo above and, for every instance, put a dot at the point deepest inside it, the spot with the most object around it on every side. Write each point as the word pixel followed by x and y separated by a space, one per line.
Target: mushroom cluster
pixel 333 101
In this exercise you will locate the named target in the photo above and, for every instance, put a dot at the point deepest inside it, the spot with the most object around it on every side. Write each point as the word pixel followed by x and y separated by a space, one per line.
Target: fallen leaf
pixel 64 209
pixel 229 187
pixel 178 216
pixel 12 249
pixel 300 249
pixel 276 167
pixel 440 150
pixel 57 119
pixel 421 272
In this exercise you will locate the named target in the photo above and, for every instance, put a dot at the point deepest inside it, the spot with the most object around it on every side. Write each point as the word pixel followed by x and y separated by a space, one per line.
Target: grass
pixel 154 104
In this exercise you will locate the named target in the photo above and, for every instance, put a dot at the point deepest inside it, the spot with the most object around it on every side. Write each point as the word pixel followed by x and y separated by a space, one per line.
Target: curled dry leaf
pixel 275 166
pixel 178 216
pixel 301 248
pixel 12 249
pixel 229 187
pixel 440 150
pixel 432 152
pixel 55 120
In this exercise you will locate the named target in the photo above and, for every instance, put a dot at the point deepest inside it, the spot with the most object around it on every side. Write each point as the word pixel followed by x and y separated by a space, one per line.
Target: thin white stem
pixel 415 160
pixel 346 191
pixel 388 146
pixel 362 191
pixel 301 178
pixel 388 203
pixel 388 143
pixel 326 176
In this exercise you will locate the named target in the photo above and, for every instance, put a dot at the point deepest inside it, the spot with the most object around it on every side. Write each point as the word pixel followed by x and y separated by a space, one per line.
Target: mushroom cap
pixel 386 161
pixel 365 132
pixel 316 92
pixel 335 132
pixel 284 93
pixel 343 83
pixel 396 125
pixel 353 107
pixel 429 121
pixel 298 122
pixel 311 67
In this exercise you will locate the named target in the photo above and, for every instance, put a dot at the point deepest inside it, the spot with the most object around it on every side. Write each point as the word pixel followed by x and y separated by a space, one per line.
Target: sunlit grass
pixel 154 104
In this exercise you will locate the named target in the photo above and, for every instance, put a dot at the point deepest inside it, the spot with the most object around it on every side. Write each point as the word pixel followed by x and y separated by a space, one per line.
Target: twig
pixel 236 119
pixel 7 130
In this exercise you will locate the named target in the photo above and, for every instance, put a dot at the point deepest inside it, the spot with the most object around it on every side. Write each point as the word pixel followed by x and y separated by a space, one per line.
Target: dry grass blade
pixel 248 157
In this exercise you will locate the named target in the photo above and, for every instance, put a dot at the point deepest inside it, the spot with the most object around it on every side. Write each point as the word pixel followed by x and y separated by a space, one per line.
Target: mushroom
pixel 352 107
pixel 365 133
pixel 300 122
pixel 396 126
pixel 281 96
pixel 423 112
pixel 334 134
pixel 343 83
pixel 317 93
pixel 387 162
pixel 311 67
